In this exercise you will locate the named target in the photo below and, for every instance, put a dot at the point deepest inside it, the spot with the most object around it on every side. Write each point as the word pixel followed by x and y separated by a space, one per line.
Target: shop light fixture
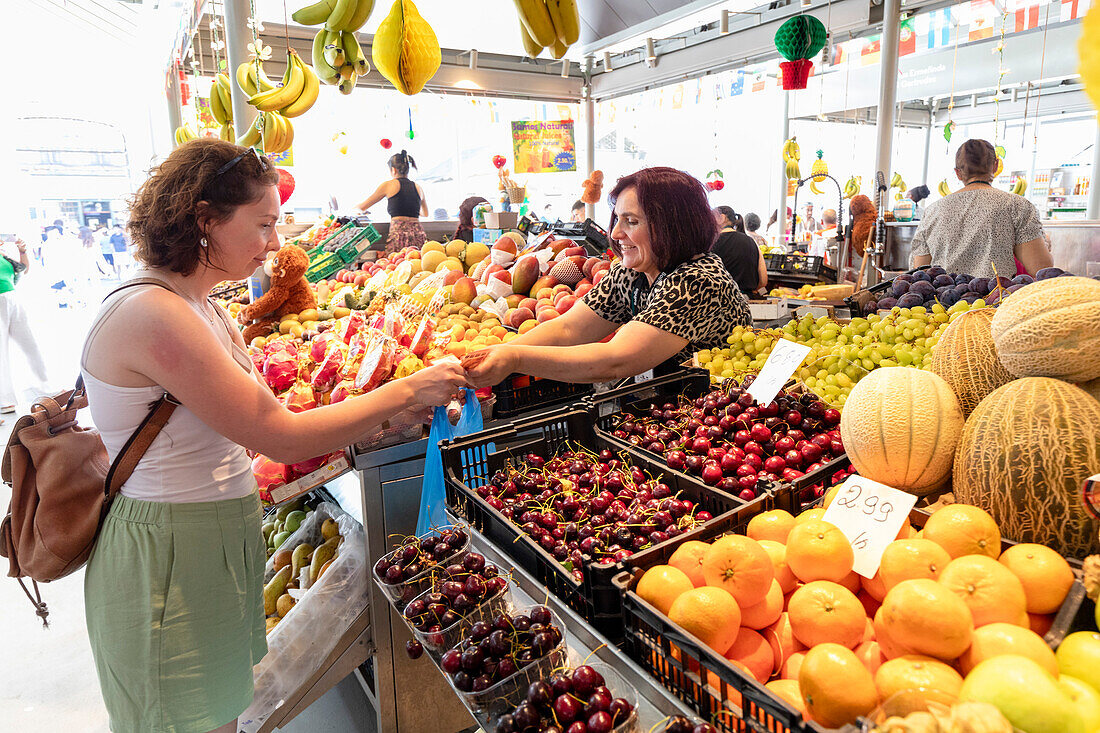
pixel 724 23
pixel 473 59
pixel 565 68
pixel 606 61
pixel 650 51
pixel 807 3
pixel 465 84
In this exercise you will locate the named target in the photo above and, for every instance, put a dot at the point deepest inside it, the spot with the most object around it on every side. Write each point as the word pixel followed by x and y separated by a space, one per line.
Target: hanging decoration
pixel 285 185
pixel 715 180
pixel 386 143
pixel 340 139
pixel 798 39
pixel 818 171
pixel 405 49
pixel 411 133
pixel 592 188
pixel 499 161
pixel 1088 48
pixel 949 128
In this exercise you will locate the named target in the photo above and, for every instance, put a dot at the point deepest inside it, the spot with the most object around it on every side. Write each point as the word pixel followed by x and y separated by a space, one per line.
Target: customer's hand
pixel 21 246
pixel 489 367
pixel 437 384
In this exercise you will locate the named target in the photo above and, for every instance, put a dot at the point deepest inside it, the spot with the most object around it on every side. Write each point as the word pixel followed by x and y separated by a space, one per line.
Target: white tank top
pixel 188 461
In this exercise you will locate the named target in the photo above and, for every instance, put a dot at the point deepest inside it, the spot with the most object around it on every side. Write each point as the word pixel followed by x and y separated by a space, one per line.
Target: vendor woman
pixel 980 230
pixel 405 204
pixel 669 297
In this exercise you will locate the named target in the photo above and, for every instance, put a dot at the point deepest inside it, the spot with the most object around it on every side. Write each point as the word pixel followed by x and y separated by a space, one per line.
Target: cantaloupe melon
pixel 1024 455
pixel 967 359
pixel 1093 388
pixel 1051 328
pixel 900 427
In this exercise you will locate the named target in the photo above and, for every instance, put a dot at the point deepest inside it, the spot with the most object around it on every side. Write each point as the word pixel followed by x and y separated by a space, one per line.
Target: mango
pixel 524 274
pixel 464 290
pixel 300 558
pixel 275 588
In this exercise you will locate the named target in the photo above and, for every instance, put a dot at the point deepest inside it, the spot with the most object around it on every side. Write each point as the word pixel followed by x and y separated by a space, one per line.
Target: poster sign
pixel 543 147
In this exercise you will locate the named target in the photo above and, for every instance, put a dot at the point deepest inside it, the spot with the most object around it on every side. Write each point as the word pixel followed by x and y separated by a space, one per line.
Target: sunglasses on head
pixel 259 159
pixel 1091 495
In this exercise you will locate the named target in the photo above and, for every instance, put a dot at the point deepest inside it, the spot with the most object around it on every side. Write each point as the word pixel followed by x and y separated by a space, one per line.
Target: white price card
pixel 643 377
pixel 870 515
pixel 785 357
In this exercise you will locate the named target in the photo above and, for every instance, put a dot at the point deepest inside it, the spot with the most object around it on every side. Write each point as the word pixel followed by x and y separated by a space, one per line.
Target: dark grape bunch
pixel 581 507
pixel 417 554
pixel 735 445
pixel 567 702
pixel 680 724
pixel 498 649
pixel 462 587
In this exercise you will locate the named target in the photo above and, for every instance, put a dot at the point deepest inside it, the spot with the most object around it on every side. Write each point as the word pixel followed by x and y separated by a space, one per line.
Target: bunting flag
pixel 983 15
pixel 1073 9
pixel 939 28
pixel 871 53
pixel 737 86
pixel 678 96
pixel 1025 14
pixel 907 38
pixel 759 82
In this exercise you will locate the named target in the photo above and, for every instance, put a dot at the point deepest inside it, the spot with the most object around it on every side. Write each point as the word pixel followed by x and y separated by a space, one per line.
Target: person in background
pixel 980 230
pixel 466 224
pixel 752 223
pixel 15 327
pixel 740 256
pixel 439 214
pixel 405 204
pixel 828 223
pixel 809 223
pixel 667 297
pixel 576 214
pixel 121 245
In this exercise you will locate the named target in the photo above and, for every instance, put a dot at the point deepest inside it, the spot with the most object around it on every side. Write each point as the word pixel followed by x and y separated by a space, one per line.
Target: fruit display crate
pixel 605 408
pixel 469 462
pixel 694 672
pixel 519 394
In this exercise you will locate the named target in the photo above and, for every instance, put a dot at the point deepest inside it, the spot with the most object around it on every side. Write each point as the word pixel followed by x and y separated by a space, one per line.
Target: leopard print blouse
pixel 698 301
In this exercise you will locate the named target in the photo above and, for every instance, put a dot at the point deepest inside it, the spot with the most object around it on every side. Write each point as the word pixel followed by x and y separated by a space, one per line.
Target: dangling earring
pixel 203 242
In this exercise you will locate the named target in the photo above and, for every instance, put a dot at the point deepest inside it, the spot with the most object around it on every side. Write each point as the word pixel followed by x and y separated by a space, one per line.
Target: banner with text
pixel 543 147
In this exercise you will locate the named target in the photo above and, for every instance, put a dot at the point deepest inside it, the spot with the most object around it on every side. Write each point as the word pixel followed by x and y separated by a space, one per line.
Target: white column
pixel 927 145
pixel 1092 210
pixel 785 132
pixel 888 81
pixel 589 132
pixel 175 116
pixel 237 38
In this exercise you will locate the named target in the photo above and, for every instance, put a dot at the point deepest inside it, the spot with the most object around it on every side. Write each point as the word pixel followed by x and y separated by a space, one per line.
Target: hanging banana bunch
pixel 793 174
pixel 221 106
pixel 791 151
pixel 943 189
pixel 851 186
pixel 1020 186
pixel 337 57
pixel 552 24
pixel 297 92
pixel 185 133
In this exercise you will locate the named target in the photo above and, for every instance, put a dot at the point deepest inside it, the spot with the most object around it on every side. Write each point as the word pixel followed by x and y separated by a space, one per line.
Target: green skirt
pixel 173 596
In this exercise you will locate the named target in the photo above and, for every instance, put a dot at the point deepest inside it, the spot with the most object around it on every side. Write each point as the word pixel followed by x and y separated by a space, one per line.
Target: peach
pixel 528 303
pixel 565 303
pixel 527 325
pixel 547 314
pixel 582 289
pixel 516 318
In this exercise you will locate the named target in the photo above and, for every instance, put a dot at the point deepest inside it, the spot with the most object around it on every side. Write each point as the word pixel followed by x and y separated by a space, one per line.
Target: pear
pixel 1025 693
pixel 275 588
pixel 300 559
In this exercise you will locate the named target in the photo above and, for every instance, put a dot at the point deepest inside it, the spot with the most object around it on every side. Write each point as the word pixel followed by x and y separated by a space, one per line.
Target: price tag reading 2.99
pixel 870 515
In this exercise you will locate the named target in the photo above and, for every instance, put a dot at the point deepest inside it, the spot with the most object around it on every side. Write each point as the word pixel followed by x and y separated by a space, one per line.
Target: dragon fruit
pixel 268 473
pixel 353 325
pixel 328 369
pixel 280 370
pixel 300 397
pixel 377 364
pixel 310 465
pixel 319 345
pixel 343 389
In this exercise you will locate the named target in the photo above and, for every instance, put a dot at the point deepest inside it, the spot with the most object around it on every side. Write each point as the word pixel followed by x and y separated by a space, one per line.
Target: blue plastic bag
pixel 433 495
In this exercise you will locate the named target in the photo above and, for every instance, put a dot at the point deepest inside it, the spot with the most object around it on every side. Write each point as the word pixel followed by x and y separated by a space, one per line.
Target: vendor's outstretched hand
pixel 489 367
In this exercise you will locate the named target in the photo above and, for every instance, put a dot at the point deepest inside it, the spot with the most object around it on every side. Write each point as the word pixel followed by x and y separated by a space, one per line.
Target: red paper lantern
pixel 386 143
pixel 796 73
pixel 499 161
pixel 285 185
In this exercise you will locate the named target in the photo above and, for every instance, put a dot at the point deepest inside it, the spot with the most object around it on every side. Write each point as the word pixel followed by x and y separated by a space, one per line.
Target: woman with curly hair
pixel 466 224
pixel 405 203
pixel 173 588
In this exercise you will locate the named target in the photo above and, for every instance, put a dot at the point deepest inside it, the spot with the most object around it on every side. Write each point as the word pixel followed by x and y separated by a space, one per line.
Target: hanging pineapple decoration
pixel 819 170
pixel 797 40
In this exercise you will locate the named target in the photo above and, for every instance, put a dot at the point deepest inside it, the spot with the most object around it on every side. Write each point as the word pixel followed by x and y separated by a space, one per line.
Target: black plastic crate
pixel 635 399
pixel 534 394
pixel 469 462
pixel 651 638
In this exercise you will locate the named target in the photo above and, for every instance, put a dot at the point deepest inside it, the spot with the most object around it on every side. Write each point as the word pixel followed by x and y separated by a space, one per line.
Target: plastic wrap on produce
pixel 300 643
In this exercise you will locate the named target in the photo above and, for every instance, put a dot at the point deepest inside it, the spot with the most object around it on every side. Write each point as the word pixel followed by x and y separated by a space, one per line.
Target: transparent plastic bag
pixel 309 632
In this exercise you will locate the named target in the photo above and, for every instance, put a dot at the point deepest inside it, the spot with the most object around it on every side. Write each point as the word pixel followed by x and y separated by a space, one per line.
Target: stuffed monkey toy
pixel 290 293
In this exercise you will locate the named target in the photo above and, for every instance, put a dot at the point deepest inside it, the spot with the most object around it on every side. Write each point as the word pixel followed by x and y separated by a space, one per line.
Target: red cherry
pixel 712 473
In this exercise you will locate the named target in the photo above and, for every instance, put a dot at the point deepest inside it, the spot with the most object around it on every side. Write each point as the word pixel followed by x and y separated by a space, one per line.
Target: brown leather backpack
pixel 62 485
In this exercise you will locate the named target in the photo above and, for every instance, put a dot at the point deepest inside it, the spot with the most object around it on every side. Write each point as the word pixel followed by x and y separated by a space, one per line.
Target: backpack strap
pixel 130 455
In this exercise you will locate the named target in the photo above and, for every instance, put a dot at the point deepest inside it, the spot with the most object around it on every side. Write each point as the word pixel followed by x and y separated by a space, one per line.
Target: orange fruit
pixel 765 613
pixel 1046 575
pixel 962 529
pixel 993 640
pixel 868 629
pixel 774 525
pixel 870 603
pixel 890 649
pixel 1040 623
pixel 908 559
pixel 914 672
pixel 829 496
pixel 990 589
pixel 874 587
pixel 661 585
pixel 906 532
pixel 689 558
pixel 778 553
pixel 792 665
pixel 809 516
pixel 740 566
pixel 926 617
pixel 789 692
pixel 751 649
pixel 782 640
pixel 852 581
pixel 870 654
pixel 710 614
pixel 835 685
pixel 822 611
pixel 818 550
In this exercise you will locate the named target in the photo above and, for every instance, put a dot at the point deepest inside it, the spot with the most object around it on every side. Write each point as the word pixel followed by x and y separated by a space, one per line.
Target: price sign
pixel 785 357
pixel 643 377
pixel 870 515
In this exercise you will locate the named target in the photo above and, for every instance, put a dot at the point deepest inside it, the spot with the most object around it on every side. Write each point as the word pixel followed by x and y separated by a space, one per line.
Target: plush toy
pixel 862 213
pixel 289 293
pixel 593 186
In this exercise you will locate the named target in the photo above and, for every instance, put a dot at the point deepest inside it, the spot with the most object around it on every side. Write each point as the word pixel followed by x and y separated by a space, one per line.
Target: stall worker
pixel 466 224
pixel 405 203
pixel 740 256
pixel 980 230
pixel 576 214
pixel 669 297
pixel 173 588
